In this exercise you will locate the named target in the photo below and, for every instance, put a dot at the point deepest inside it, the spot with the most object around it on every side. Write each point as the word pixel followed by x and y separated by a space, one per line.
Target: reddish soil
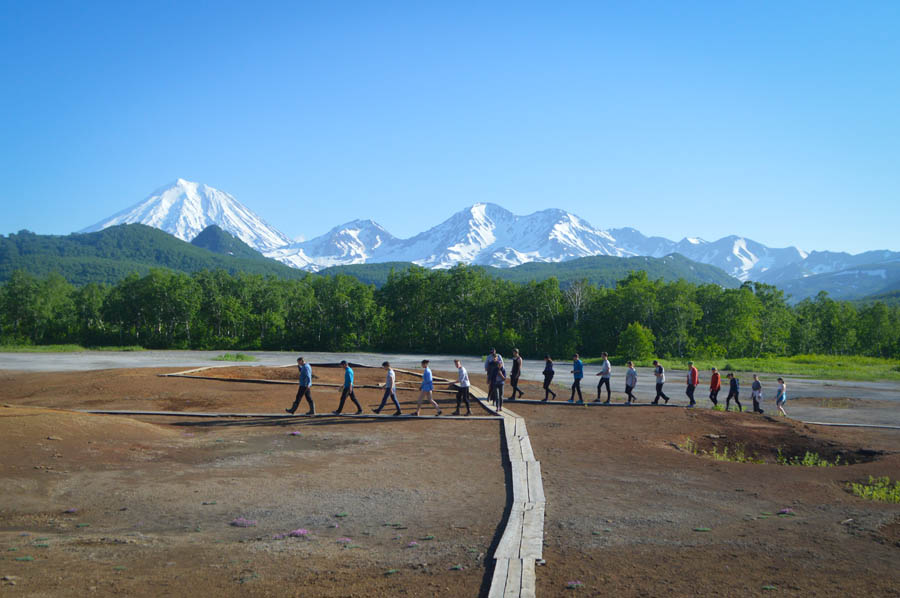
pixel 623 500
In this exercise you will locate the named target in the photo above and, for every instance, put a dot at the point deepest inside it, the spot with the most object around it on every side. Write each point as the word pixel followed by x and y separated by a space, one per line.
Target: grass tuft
pixel 234 357
pixel 879 489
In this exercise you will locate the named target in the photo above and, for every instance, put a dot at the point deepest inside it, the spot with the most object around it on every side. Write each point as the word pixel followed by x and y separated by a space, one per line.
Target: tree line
pixel 462 310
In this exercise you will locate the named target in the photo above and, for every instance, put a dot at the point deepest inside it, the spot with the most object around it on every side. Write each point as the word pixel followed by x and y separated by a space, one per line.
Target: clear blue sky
pixel 779 121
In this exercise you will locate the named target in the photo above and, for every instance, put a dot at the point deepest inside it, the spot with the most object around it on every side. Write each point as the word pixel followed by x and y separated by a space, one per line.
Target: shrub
pixel 636 342
pixel 879 489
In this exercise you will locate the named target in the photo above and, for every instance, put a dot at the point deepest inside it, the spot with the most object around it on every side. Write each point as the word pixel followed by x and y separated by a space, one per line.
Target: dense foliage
pixel 110 255
pixel 458 311
pixel 600 270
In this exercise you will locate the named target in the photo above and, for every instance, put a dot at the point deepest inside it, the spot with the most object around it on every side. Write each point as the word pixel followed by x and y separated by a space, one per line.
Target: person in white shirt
pixel 660 372
pixel 390 389
pixel 605 373
pixel 462 388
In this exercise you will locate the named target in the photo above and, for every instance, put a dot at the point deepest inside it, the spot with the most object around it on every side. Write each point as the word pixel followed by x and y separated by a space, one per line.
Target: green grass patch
pixel 826 367
pixel 809 459
pixel 879 489
pixel 234 357
pixel 734 454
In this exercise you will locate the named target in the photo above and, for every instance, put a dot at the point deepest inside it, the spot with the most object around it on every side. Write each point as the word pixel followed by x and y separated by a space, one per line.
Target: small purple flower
pixel 344 540
pixel 299 533
pixel 786 511
pixel 295 433
pixel 335 525
pixel 412 544
pixel 241 522
pixel 70 511
pixel 574 585
pixel 279 537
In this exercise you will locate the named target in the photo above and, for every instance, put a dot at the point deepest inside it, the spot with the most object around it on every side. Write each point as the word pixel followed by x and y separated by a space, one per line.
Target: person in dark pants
pixel 462 388
pixel 491 369
pixel 715 385
pixel 497 384
pixel 605 374
pixel 660 373
pixel 578 373
pixel 548 377
pixel 514 375
pixel 630 382
pixel 303 391
pixel 734 387
pixel 347 390
pixel 390 389
pixel 693 379
pixel 756 394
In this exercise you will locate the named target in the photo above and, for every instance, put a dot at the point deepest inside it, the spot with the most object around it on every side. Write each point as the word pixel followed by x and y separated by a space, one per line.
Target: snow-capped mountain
pixel 484 234
pixel 488 234
pixel 353 243
pixel 184 208
pixel 742 258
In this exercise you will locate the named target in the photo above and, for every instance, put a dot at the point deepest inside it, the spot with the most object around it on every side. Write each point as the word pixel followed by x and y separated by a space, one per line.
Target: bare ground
pixel 153 497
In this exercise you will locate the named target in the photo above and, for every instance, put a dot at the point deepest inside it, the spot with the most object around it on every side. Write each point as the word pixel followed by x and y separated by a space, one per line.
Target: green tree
pixel 636 342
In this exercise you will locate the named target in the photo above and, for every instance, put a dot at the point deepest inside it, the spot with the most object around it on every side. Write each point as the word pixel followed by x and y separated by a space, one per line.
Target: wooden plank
pixel 297 416
pixel 532 544
pixel 510 543
pixel 513 579
pixel 520 481
pixel 498 581
pixel 535 482
pixel 525 448
pixel 528 579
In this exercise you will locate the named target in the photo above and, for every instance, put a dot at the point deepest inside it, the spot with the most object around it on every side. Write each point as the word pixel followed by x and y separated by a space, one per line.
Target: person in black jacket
pixel 548 378
pixel 514 375
pixel 733 390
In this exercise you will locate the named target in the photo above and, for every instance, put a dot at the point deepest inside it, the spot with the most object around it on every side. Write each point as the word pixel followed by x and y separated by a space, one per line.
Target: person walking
pixel 756 394
pixel 605 373
pixel 426 389
pixel 497 384
pixel 303 391
pixel 492 358
pixel 715 385
pixel 578 373
pixel 514 375
pixel 781 396
pixel 693 379
pixel 548 378
pixel 490 368
pixel 630 382
pixel 462 388
pixel 347 390
pixel 660 372
pixel 734 389
pixel 390 389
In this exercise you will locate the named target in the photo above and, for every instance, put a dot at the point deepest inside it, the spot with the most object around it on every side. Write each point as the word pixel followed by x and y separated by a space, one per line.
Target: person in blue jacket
pixel 347 390
pixel 427 389
pixel 578 373
pixel 303 391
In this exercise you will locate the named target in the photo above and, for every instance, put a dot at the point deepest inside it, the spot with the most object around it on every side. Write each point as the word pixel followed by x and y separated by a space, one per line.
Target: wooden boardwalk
pixel 284 415
pixel 522 542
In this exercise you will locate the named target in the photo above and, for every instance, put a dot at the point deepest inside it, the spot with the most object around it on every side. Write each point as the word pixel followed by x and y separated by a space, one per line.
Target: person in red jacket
pixel 715 385
pixel 693 378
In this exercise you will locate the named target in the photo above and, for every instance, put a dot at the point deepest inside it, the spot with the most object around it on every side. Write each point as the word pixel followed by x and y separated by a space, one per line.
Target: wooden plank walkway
pixel 522 542
pixel 283 415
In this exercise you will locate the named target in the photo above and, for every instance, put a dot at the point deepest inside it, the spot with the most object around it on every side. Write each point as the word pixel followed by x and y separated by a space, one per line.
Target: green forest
pixel 458 311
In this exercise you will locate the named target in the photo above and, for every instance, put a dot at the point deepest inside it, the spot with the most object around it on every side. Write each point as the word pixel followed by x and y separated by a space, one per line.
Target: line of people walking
pixel 497 376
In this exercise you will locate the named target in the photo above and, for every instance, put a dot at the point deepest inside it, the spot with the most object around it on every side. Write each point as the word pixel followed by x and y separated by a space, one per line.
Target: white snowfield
pixel 484 234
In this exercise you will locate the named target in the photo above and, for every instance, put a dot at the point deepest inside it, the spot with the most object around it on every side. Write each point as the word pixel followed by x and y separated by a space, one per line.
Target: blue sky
pixel 779 121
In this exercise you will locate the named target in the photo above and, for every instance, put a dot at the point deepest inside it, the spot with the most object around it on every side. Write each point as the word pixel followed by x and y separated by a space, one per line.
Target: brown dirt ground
pixel 622 500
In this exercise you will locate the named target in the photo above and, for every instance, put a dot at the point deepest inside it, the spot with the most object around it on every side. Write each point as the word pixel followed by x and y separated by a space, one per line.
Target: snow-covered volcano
pixel 184 208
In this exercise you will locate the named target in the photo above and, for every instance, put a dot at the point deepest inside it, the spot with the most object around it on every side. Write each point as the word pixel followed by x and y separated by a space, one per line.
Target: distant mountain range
pixel 489 235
